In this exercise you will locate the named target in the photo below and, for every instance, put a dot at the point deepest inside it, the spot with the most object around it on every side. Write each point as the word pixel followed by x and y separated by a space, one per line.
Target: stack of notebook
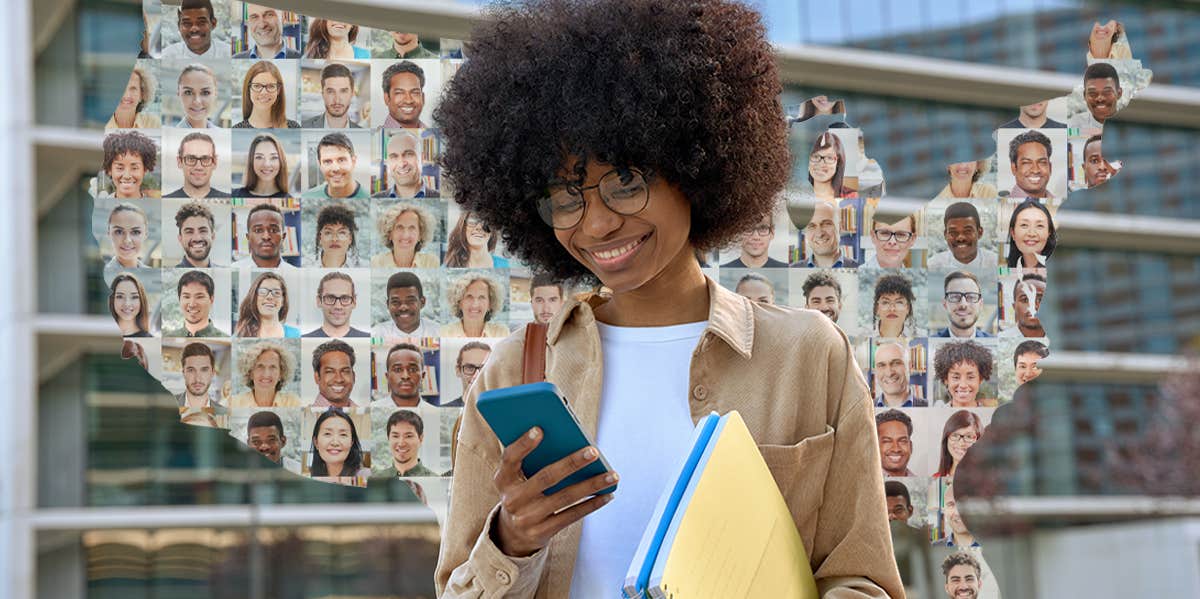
pixel 721 528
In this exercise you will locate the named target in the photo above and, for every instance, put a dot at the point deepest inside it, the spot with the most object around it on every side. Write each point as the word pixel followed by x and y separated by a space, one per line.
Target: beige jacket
pixel 792 376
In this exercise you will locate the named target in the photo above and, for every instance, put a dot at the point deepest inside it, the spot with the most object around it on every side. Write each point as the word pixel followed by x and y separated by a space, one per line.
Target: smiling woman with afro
pixel 610 141
pixel 687 89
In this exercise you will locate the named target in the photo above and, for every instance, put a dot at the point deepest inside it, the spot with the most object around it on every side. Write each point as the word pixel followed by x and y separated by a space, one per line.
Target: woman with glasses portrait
pixel 264 101
pixel 827 168
pixel 336 239
pixel 610 164
pixel 893 307
pixel 962 430
pixel 893 242
pixel 264 309
pixel 471 244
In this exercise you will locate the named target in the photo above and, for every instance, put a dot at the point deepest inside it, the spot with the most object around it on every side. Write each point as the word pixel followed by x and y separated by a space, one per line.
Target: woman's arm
pixel 853 543
pixel 469 563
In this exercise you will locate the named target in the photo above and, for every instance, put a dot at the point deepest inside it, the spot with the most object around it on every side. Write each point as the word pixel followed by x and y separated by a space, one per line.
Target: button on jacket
pixel 791 375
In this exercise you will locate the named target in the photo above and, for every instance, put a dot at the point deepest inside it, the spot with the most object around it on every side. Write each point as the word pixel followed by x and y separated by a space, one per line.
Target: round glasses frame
pixel 624 191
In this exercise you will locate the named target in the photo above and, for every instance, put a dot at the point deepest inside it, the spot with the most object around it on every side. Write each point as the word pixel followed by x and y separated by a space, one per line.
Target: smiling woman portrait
pixel 130 112
pixel 612 164
pixel 264 309
pixel 265 367
pixel 264 99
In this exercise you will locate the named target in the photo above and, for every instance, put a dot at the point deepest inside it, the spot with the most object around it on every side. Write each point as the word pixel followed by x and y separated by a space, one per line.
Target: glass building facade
pixel 109 437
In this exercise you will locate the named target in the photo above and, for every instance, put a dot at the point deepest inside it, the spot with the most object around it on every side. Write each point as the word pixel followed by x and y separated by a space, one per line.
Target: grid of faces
pixel 942 302
pixel 282 252
pixel 279 247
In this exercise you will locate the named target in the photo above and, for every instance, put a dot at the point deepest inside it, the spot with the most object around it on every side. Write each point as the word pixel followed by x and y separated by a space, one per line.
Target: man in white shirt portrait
pixel 963 230
pixel 196 23
pixel 405 300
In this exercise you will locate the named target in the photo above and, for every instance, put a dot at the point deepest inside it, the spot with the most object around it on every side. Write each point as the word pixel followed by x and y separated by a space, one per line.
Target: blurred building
pixel 107 495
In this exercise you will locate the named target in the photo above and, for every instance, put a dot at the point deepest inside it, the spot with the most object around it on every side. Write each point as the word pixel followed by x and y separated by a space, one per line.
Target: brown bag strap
pixel 535 353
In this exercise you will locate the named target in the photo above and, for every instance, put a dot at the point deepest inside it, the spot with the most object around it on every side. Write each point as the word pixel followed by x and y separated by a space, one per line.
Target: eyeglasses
pixel 268 292
pixel 203 160
pixel 889 304
pixel 330 300
pixel 887 235
pixel 470 369
pixel 818 159
pixel 473 222
pixel 955 296
pixel 762 230
pixel 623 191
pixel 963 437
pixel 264 87
pixel 336 234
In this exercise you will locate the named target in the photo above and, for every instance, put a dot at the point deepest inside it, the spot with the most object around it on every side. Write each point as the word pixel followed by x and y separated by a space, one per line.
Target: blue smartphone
pixel 512 411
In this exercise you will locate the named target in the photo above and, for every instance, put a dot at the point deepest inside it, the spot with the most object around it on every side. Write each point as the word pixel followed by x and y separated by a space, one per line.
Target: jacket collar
pixel 730 317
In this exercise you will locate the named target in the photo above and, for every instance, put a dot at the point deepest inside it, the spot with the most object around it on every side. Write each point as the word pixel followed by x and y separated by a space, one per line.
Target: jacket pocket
pixel 800 472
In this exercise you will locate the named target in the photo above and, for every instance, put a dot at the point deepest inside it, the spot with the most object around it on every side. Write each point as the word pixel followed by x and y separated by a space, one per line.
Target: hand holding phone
pixel 550 474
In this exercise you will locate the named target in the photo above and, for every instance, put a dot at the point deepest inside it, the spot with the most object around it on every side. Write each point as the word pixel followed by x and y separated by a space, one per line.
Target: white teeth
pixel 610 254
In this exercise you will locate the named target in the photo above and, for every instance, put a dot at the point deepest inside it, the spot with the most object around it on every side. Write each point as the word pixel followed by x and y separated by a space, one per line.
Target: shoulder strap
pixel 535 353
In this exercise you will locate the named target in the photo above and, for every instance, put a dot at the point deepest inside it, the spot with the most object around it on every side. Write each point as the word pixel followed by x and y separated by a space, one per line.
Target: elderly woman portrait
pixel 407 232
pixel 964 181
pixel 265 367
pixel 474 299
pixel 130 112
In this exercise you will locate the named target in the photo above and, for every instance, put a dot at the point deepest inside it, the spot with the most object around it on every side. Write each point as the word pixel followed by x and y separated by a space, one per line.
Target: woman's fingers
pixel 528 518
pixel 509 472
pixel 566 497
pixel 554 473
pixel 552 525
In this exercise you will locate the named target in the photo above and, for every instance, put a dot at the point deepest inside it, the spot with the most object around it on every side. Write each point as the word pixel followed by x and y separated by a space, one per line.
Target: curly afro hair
pixel 688 90
pixel 952 354
pixel 894 284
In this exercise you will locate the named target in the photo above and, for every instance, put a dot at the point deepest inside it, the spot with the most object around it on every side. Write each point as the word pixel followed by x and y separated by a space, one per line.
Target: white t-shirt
pixel 249 263
pixel 388 330
pixel 984 259
pixel 645 425
pixel 216 49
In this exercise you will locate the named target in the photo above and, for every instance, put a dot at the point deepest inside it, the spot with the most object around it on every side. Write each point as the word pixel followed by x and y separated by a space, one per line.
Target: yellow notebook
pixel 721 529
